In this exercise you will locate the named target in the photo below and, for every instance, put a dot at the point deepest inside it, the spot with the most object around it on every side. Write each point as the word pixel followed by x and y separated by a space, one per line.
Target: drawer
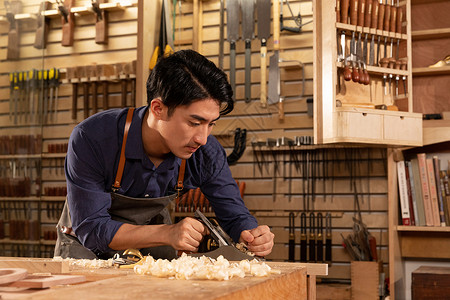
pixel 403 130
pixel 362 126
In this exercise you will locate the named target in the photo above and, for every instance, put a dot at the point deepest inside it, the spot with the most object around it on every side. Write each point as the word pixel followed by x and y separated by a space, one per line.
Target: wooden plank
pixel 291 283
pixel 35 265
pixel 46 281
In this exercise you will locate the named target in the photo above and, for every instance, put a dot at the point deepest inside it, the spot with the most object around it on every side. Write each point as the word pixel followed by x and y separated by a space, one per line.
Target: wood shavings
pixel 187 267
pixel 243 248
pixel 88 263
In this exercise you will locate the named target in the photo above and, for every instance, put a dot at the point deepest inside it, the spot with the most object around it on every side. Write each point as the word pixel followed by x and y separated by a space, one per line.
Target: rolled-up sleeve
pixel 88 201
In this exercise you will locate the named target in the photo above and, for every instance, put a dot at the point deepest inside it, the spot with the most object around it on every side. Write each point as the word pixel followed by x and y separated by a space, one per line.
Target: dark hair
pixel 185 77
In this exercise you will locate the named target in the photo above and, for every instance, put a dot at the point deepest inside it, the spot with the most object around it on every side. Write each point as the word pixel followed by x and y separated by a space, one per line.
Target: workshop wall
pixel 279 180
pixel 52 126
pixel 284 179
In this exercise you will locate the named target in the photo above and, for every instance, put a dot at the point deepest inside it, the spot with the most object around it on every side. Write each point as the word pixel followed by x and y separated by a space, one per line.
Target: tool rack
pixel 362 112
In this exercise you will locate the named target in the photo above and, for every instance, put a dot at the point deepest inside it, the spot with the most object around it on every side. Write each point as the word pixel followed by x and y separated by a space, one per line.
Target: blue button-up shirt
pixel 91 164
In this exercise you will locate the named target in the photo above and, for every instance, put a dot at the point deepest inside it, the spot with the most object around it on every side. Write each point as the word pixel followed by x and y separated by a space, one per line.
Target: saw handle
pixel 263 51
pixel 276 25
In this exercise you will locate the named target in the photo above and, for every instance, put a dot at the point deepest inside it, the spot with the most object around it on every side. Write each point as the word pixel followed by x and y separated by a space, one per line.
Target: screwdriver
pixel 391 65
pixel 403 67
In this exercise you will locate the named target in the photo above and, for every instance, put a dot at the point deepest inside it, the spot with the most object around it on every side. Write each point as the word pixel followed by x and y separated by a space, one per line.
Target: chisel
pixel 386 25
pixel 373 25
pixel 319 237
pixel 312 238
pixel 399 27
pixel 381 9
pixel 303 238
pixel 328 238
pixel 291 237
pixel 403 68
pixel 73 79
pixel 367 24
pixel 360 24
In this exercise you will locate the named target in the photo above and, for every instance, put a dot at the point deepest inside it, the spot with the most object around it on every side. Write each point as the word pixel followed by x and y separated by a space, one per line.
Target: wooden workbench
pixel 292 283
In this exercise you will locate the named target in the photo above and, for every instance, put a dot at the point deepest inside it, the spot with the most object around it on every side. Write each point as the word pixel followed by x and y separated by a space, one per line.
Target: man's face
pixel 189 127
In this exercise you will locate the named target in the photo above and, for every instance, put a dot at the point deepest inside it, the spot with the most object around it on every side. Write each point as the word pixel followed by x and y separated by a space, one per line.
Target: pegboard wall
pixel 279 179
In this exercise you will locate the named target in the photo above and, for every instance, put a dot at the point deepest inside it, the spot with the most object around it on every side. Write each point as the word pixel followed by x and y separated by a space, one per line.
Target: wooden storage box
pixel 365 280
pixel 431 283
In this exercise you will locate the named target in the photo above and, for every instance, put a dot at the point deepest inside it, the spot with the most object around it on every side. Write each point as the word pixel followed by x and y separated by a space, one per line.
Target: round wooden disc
pixel 8 275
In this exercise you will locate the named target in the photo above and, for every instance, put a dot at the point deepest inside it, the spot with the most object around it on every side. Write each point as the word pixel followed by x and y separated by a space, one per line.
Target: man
pixel 163 145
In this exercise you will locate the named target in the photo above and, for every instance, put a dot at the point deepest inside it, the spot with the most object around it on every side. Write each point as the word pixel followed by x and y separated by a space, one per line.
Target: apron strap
pixel 118 180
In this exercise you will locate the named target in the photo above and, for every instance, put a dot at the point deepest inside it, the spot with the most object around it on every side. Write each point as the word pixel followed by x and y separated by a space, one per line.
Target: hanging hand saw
pixel 274 71
pixel 248 22
pixel 263 12
pixel 233 37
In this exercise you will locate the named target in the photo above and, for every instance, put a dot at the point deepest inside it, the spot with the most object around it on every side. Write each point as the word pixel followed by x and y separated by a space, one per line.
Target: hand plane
pixel 227 248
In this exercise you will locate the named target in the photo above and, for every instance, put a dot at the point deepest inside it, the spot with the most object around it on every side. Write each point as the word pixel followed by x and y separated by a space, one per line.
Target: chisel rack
pixel 362 79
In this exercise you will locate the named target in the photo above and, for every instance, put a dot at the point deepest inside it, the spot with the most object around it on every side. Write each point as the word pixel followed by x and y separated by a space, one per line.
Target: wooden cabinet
pixel 430 34
pixel 414 242
pixel 379 111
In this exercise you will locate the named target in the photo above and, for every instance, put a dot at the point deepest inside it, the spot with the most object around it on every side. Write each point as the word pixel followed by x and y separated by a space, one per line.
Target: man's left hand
pixel 258 240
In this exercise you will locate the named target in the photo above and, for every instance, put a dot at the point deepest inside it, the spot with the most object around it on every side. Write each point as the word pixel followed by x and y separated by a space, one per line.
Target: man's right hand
pixel 187 234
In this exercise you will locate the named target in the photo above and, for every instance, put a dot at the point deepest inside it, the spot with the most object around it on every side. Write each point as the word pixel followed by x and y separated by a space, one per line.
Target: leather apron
pixel 136 211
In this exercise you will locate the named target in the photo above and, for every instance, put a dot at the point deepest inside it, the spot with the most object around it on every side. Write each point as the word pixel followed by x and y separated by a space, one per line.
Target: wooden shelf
pixel 19 198
pixel 423 228
pixel 437 33
pixel 350 28
pixel 426 1
pixel 426 71
pixel 380 70
pixel 436 131
pixel 19 242
pixel 53 198
pixel 20 156
pixel 53 155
